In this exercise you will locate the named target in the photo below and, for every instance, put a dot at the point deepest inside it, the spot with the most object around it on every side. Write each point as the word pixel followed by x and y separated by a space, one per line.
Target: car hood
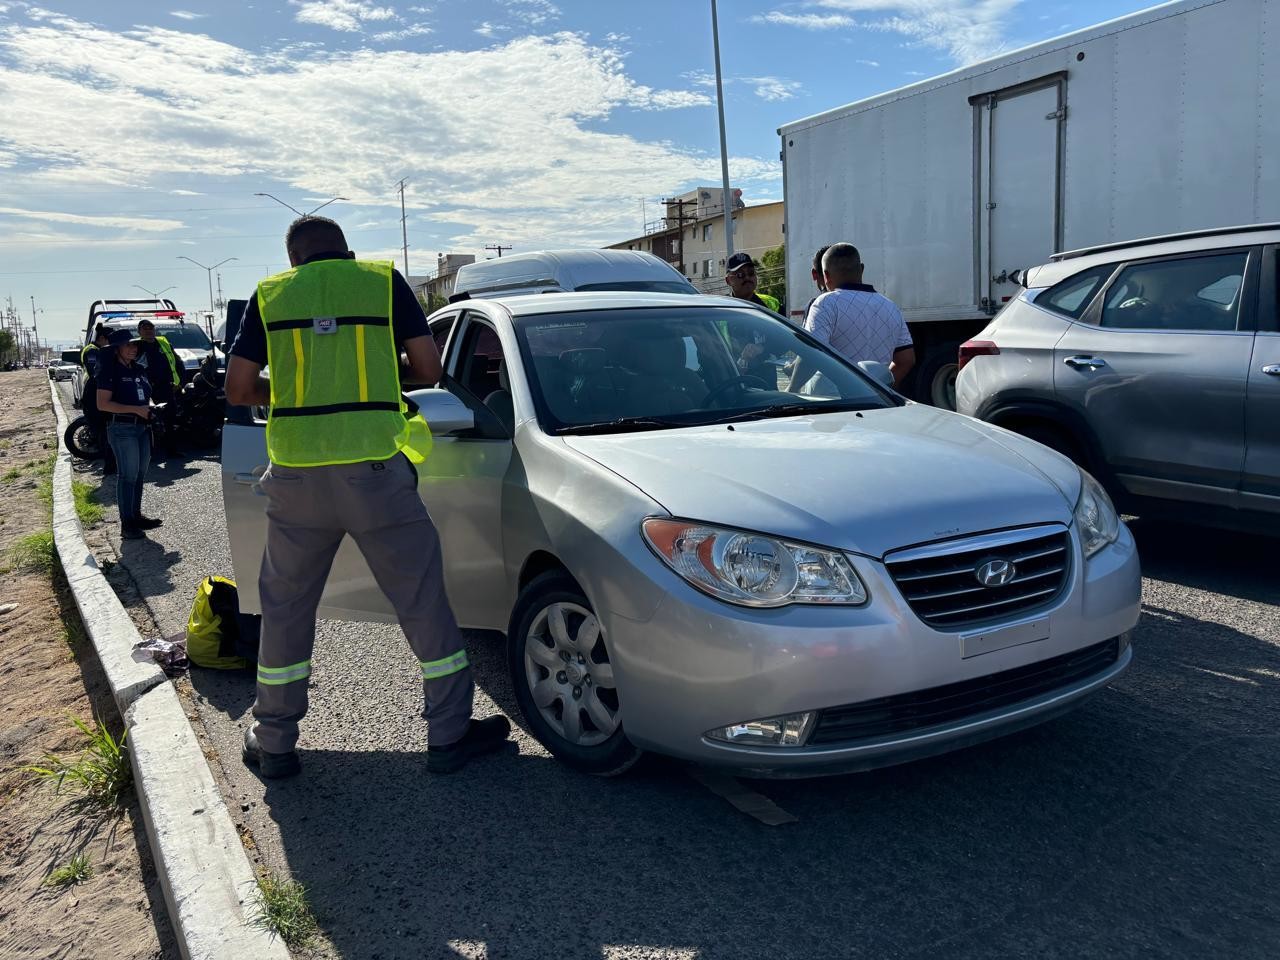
pixel 866 483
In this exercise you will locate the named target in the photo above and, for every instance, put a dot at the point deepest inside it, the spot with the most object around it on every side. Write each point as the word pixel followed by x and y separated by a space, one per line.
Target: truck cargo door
pixel 1019 185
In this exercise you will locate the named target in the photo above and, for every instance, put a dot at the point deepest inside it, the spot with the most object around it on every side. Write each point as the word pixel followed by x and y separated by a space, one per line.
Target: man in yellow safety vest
pixel 342 449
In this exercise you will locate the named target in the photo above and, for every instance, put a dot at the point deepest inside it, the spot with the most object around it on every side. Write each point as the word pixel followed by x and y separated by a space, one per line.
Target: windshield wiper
pixel 621 425
pixel 793 409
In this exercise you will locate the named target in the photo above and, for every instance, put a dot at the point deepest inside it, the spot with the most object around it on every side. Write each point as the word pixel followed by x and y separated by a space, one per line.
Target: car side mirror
pixel 877 371
pixel 445 414
pixel 71 356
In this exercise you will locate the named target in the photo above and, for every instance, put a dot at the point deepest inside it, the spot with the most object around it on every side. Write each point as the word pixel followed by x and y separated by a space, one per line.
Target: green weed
pixel 32 552
pixel 10 475
pixel 283 909
pixel 101 774
pixel 88 509
pixel 78 870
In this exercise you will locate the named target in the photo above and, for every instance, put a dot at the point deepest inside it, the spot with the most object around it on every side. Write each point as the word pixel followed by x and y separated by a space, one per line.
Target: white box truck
pixel 1159 122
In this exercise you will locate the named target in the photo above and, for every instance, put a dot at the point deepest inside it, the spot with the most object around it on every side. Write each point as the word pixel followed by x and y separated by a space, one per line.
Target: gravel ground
pixel 1143 824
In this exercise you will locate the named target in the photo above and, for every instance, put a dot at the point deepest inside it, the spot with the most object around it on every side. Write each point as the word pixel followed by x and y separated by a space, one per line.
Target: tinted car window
pixel 642 286
pixel 1192 293
pixel 1072 296
pixel 680 367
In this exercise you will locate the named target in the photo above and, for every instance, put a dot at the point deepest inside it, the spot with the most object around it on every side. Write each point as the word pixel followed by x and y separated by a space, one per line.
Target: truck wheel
pixel 81 440
pixel 563 679
pixel 936 376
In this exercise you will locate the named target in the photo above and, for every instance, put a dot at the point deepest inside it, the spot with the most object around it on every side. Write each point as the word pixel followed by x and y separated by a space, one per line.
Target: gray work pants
pixel 309 511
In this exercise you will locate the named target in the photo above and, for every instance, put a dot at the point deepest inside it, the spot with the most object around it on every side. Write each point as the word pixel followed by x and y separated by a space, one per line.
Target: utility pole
pixel 499 247
pixel 681 220
pixel 724 150
pixel 34 331
pixel 404 231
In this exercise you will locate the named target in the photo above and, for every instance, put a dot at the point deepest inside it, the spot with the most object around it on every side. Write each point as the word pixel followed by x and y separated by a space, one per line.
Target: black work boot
pixel 149 523
pixel 131 531
pixel 482 736
pixel 271 765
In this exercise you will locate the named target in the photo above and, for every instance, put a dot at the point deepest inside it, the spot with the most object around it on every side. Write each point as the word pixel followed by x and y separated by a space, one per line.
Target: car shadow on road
pixel 1207 558
pixel 1140 824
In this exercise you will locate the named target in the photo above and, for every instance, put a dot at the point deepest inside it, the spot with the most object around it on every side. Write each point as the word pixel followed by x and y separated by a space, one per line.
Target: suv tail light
pixel 977 348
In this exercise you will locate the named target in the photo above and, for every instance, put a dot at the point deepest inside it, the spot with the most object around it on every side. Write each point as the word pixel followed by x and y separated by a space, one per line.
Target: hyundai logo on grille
pixel 995 573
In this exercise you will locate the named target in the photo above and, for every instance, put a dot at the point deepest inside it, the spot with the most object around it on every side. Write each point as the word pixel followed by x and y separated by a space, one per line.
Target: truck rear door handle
pixel 1272 369
pixel 1090 363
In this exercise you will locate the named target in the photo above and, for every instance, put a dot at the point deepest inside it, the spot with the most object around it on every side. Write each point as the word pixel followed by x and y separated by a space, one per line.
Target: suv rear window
pixel 1072 296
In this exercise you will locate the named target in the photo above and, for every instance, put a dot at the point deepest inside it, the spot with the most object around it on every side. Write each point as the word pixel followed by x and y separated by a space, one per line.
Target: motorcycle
pixel 194 417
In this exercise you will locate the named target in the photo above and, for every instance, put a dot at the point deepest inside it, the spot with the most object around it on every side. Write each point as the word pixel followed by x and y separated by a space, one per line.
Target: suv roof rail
pixel 1164 238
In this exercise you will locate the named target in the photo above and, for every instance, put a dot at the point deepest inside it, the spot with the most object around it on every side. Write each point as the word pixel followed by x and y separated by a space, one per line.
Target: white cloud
pixel 146 224
pixel 187 15
pixel 186 193
pixel 487 29
pixel 806 21
pixel 525 160
pixel 773 88
pixel 967 30
pixel 767 88
pixel 347 16
pixel 868 63
pixel 414 30
pixel 533 12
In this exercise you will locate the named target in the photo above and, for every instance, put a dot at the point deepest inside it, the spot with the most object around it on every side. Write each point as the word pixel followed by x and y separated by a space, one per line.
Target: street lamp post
pixel 295 209
pixel 724 150
pixel 152 293
pixel 209 272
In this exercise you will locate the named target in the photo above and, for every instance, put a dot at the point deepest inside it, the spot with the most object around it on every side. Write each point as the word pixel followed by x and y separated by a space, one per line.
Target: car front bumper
pixel 697 665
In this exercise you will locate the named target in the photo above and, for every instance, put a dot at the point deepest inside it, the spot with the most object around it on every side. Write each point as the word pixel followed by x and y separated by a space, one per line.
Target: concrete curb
pixel 208 883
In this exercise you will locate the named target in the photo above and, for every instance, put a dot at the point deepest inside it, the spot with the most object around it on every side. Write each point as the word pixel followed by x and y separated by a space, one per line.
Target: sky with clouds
pixel 135 133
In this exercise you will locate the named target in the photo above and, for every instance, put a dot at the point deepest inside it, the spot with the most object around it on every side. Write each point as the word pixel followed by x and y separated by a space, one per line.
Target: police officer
pixel 161 363
pixel 90 359
pixel 124 399
pixel 741 274
pixel 340 444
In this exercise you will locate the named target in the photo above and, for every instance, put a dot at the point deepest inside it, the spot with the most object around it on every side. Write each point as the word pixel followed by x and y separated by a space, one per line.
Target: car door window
pixel 1072 296
pixel 1189 293
pixel 441 328
pixel 481 374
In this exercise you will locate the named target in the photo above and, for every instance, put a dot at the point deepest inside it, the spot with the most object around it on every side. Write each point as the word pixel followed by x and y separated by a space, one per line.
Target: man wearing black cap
pixel 741 275
pixel 755 357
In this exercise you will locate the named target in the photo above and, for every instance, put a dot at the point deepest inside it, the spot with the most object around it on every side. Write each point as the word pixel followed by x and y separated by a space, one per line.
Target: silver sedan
pixel 691 555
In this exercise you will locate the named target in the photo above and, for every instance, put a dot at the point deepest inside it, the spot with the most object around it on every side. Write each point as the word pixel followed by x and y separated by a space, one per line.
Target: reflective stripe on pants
pixel 309 511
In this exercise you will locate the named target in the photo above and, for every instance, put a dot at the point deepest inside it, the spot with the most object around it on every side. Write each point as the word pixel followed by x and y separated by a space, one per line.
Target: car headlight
pixel 751 569
pixel 1095 516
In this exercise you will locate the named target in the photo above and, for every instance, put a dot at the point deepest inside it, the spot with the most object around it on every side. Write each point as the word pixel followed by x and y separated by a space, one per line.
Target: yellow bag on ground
pixel 212 630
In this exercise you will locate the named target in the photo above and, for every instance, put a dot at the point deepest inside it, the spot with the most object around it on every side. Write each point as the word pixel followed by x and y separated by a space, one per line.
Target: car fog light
pixel 789 731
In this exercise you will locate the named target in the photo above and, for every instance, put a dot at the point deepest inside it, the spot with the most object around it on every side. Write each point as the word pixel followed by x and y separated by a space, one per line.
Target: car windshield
pixel 184 336
pixel 640 369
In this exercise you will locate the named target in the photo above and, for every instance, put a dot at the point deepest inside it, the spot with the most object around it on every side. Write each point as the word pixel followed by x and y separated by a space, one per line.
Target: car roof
pixel 570 268
pixel 1070 262
pixel 538 304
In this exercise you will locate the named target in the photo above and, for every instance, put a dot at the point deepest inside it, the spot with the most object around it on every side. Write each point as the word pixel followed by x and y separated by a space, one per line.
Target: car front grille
pixel 956 701
pixel 941 582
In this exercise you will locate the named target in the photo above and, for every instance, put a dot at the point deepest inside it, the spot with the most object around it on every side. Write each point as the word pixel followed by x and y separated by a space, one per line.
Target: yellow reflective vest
pixel 334 367
pixel 167 350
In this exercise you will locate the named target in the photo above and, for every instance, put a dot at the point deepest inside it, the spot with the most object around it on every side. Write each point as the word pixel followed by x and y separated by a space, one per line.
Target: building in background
pixel 690 234
pixel 435 290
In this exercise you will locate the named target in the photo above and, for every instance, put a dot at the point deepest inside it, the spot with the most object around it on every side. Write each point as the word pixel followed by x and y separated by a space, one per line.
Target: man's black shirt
pixel 407 318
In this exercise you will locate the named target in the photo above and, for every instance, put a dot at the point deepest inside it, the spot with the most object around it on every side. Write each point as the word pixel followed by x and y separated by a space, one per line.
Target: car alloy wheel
pixel 569 674
pixel 563 678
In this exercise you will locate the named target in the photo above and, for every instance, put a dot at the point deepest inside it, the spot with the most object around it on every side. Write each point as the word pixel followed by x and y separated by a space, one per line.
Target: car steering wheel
pixel 733 382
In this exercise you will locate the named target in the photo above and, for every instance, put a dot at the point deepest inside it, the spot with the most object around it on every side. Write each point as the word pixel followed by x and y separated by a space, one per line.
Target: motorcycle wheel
pixel 81 440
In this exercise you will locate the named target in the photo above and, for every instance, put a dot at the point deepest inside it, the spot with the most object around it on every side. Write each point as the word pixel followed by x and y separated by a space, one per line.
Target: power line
pixel 499 247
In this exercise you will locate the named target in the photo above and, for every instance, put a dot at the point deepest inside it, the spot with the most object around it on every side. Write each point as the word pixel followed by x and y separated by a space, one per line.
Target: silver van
pixel 559 271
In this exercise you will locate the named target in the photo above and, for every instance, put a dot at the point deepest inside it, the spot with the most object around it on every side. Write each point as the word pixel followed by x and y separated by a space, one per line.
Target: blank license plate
pixel 999 638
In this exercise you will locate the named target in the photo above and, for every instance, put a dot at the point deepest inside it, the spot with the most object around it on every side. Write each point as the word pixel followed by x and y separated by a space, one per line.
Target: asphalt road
pixel 1144 824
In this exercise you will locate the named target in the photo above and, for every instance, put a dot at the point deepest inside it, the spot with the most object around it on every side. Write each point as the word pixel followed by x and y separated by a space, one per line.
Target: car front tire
pixel 563 679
